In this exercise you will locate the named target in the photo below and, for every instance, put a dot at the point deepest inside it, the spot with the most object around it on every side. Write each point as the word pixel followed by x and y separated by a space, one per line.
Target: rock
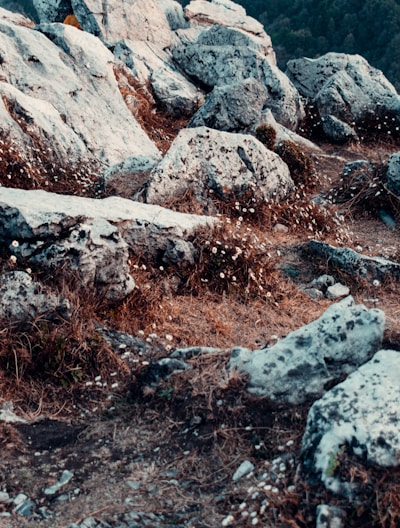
pixel 52 10
pixel 338 131
pixel 337 290
pixel 202 159
pixel 123 19
pixel 244 469
pixel 24 300
pixel 330 516
pixel 299 367
pixel 222 56
pixel 344 86
pixel 234 107
pixel 174 12
pixel 34 217
pixel 370 268
pixel 229 14
pixel 7 415
pixel 359 169
pixel 173 91
pixel 53 82
pixel 361 416
pixel 128 175
pixel 393 173
pixel 323 282
pixel 66 476
pixel 22 17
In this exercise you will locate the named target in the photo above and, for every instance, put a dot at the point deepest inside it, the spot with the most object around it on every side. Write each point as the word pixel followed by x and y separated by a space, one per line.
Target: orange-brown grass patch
pixel 159 125
pixel 39 167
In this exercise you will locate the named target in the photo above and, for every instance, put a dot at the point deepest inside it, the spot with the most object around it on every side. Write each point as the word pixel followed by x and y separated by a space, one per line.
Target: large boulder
pixel 229 165
pixel 235 107
pixel 124 19
pixel 222 56
pixel 360 417
pixel 300 366
pixel 52 10
pixel 344 86
pixel 24 300
pixel 53 83
pixel 202 13
pixel 38 219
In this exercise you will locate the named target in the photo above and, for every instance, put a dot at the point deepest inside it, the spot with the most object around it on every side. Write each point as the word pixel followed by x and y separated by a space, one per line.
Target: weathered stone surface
pixel 56 79
pixel 338 131
pixel 330 516
pixel 174 12
pixel 173 91
pixel 299 367
pixel 344 86
pixel 226 13
pixel 222 56
pixel 22 299
pixel 149 231
pixel 22 17
pixel 371 268
pixel 124 19
pixel 129 175
pixel 235 107
pixel 393 173
pixel 360 415
pixel 202 159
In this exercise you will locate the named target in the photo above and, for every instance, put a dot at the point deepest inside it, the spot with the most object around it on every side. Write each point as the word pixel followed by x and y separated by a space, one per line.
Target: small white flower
pixel 28 270
pixel 376 283
pixel 169 337
pixel 222 275
pixel 13 259
pixel 214 250
pixel 15 243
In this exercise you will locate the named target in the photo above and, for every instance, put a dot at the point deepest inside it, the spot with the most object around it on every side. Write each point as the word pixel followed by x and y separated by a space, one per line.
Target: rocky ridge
pixel 200 221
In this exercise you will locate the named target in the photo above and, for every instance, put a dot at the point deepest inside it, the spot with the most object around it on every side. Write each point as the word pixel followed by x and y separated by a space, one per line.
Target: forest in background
pixel 310 28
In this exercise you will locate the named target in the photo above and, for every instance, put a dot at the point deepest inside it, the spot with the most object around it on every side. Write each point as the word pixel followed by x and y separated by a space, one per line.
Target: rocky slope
pixel 199 271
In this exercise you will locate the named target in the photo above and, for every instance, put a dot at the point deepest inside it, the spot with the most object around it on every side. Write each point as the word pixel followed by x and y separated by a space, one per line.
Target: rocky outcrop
pixel 23 300
pixel 221 56
pixel 344 86
pixel 338 131
pixel 52 83
pixel 204 160
pixel 300 366
pixel 360 416
pixel 93 236
pixel 370 268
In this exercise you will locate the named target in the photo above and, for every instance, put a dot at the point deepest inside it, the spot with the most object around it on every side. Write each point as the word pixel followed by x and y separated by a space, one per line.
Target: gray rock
pixel 230 14
pixel 235 107
pixel 244 469
pixel 123 19
pixel 299 367
pixel 361 415
pixel 174 12
pixel 338 131
pixel 337 290
pixel 202 159
pixel 330 516
pixel 393 173
pixel 371 268
pixel 22 299
pixel 222 56
pixel 344 86
pixel 66 476
pixel 52 10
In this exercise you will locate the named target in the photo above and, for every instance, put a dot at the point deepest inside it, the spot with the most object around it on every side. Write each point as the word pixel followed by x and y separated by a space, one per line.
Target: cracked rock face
pixel 299 367
pixel 202 159
pixel 360 415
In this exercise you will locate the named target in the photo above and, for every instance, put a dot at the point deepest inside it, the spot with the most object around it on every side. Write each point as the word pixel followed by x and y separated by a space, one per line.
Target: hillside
pixel 198 274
